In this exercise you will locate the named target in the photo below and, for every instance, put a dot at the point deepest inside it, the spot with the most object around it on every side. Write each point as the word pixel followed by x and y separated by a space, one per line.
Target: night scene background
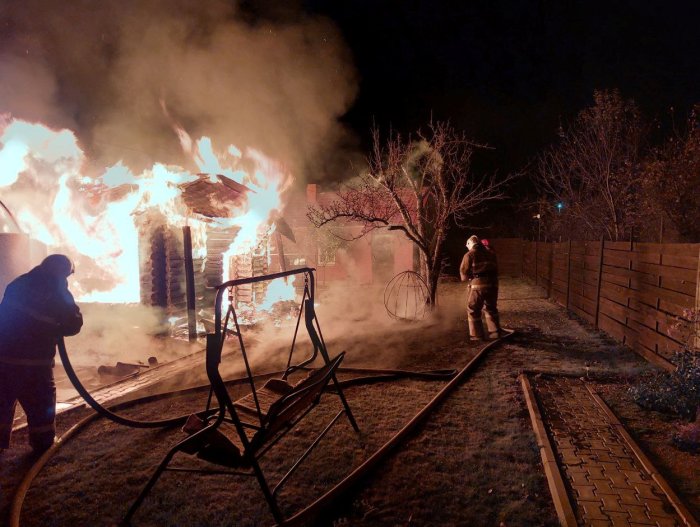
pixel 170 147
pixel 508 73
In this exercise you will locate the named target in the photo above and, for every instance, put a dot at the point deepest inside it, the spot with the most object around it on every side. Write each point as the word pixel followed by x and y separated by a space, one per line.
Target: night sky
pixel 508 72
pixel 279 76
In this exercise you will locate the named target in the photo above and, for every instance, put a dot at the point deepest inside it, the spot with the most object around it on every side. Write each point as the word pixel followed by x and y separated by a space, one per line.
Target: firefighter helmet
pixel 472 241
pixel 58 265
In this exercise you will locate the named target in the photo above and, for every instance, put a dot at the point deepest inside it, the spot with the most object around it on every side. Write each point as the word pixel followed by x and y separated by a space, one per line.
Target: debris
pixel 124 369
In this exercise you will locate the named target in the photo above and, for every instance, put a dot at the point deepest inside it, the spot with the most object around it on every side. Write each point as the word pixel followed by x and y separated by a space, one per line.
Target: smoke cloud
pixel 108 69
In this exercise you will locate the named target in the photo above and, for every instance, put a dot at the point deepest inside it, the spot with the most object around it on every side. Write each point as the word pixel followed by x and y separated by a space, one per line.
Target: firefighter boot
pixel 476 329
pixel 493 325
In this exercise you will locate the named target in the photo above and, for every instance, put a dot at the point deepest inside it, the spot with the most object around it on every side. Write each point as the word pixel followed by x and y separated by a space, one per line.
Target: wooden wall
pixel 638 293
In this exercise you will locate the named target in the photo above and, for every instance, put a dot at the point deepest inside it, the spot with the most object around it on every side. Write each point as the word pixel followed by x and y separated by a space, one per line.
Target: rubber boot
pixel 493 326
pixel 476 330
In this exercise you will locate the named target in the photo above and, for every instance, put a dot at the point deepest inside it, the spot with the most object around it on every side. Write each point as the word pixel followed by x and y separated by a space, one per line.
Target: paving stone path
pixel 609 478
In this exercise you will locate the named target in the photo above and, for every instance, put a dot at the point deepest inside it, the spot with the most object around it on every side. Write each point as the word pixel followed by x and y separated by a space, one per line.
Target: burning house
pixel 167 236
pixel 18 252
pixel 167 255
pixel 289 241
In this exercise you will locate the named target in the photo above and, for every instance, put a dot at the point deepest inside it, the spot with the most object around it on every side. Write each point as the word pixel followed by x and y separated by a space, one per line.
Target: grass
pixel 474 462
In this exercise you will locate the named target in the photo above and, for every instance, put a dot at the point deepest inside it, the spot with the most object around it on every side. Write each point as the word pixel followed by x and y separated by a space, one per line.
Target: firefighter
pixel 37 309
pixel 480 268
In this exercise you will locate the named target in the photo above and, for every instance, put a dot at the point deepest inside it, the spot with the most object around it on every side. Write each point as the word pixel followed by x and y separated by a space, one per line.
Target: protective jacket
pixel 480 267
pixel 37 308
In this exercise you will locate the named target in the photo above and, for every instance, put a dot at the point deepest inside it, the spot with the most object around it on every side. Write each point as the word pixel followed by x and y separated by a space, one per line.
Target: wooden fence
pixel 510 255
pixel 638 293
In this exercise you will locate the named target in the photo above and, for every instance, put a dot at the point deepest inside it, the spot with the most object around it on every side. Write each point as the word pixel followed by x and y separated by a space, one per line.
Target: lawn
pixel 473 462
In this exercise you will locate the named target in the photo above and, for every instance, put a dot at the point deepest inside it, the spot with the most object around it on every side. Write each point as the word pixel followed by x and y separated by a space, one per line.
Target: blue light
pixel 560 206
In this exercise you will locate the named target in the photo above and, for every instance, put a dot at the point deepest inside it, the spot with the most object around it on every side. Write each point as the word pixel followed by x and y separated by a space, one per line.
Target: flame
pixel 278 290
pixel 267 183
pixel 93 219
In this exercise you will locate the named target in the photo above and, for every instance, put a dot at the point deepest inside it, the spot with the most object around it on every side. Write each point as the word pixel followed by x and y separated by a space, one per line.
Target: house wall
pixel 358 261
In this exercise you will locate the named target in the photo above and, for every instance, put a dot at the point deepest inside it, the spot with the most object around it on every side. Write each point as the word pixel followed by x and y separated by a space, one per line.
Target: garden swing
pixel 268 413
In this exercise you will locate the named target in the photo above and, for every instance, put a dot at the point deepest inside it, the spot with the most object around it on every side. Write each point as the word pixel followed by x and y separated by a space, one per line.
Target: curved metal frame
pixel 400 278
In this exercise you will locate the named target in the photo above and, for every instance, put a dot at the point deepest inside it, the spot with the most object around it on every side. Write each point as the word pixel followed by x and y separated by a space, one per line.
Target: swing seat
pixel 270 411
pixel 304 396
pixel 209 443
pixel 280 403
pixel 271 392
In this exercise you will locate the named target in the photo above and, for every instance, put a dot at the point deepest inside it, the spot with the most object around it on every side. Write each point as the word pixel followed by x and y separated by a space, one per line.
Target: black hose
pixel 175 421
pixel 380 374
pixel 382 453
pixel 315 507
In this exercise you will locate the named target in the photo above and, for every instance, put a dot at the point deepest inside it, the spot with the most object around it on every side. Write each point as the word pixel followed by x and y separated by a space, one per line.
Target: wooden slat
pixel 616 260
pixel 617 246
pixel 614 292
pixel 648 291
pixel 683 249
pixel 612 327
pixel 684 262
pixel 614 310
pixel 666 271
pixel 679 286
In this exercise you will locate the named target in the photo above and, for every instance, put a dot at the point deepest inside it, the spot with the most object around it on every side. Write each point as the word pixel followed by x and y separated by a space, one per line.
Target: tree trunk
pixel 430 275
pixel 433 278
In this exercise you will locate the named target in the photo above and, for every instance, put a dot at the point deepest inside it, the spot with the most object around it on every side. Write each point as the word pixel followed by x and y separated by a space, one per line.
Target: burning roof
pixel 214 196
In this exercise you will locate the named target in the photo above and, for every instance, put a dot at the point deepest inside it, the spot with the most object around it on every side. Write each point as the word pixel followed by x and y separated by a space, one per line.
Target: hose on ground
pixel 317 506
pixel 85 394
pixel 385 374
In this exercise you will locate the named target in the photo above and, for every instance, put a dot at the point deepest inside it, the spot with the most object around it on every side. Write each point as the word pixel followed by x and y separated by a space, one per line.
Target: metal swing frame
pixel 272 421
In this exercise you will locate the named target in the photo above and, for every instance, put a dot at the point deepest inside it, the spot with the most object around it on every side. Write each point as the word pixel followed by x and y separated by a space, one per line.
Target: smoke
pixel 118 332
pixel 353 319
pixel 108 69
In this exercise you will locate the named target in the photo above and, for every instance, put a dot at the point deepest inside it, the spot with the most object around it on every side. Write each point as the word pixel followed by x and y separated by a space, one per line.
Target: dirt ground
pixel 474 462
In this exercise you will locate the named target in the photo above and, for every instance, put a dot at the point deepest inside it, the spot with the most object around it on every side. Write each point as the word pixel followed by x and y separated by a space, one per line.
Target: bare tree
pixel 672 178
pixel 416 185
pixel 593 173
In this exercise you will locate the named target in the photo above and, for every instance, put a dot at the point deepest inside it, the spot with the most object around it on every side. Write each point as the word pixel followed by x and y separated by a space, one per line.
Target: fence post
pixel 550 274
pixel 600 279
pixel 568 276
pixel 189 285
pixel 697 306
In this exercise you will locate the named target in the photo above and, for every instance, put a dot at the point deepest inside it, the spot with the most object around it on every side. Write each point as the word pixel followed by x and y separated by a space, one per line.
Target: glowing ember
pixel 92 219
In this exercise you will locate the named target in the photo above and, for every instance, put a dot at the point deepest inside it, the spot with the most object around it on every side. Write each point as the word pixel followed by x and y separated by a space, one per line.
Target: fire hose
pixel 104 412
pixel 370 376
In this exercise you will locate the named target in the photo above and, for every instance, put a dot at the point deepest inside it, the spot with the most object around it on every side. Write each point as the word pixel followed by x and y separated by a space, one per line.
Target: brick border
pixel 562 503
pixel 675 501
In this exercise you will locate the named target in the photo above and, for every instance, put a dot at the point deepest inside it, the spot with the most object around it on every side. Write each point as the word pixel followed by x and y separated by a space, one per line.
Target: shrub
pixel 675 392
pixel 688 437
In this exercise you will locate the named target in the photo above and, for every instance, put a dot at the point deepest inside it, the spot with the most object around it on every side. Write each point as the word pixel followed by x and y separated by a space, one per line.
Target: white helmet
pixel 471 242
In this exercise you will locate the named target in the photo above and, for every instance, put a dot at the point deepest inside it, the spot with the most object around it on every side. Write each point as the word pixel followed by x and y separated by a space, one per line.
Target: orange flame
pixel 92 219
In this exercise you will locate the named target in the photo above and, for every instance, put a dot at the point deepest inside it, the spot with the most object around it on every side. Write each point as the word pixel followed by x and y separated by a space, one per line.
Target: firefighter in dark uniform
pixel 480 268
pixel 37 309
